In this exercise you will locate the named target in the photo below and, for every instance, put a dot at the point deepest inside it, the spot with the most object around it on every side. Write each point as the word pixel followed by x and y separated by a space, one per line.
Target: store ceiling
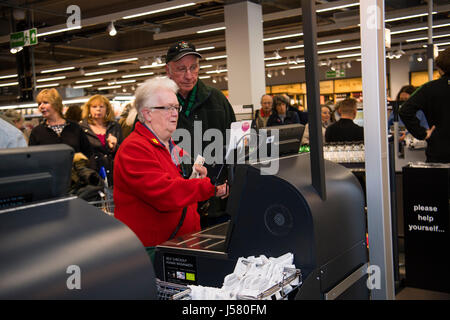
pixel 147 37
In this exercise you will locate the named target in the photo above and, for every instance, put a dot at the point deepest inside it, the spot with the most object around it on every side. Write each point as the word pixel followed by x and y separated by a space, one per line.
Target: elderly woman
pixel 281 115
pixel 150 194
pixel 327 119
pixel 103 132
pixel 54 128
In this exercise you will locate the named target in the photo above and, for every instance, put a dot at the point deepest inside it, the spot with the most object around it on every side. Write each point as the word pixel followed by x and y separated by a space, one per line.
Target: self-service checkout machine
pixel 280 213
pixel 54 246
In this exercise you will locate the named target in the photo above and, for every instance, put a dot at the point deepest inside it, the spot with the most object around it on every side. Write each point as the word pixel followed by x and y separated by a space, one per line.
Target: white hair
pixel 147 94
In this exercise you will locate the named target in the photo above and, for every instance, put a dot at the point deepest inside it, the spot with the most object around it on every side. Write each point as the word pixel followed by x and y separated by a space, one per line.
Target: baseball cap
pixel 179 50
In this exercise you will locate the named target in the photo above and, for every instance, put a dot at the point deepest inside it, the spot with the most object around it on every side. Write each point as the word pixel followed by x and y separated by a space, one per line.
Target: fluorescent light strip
pixel 297 67
pixel 48 85
pixel 89 80
pixel 123 98
pixel 339 49
pixel 58 69
pixel 100 72
pixel 57 31
pixel 51 79
pixel 211 30
pixel 294 47
pixel 408 17
pixel 72 101
pixel 276 64
pixel 204 77
pixel 205 48
pixel 419 29
pixel 121 82
pixel 8 76
pixel 217 71
pixel 349 55
pixel 284 37
pixel 109 87
pixel 159 10
pixel 138 75
pixel 442 44
pixel 216 57
pixel 328 42
pixel 295 61
pixel 117 61
pixel 83 86
pixel 156 65
pixel 26 105
pixel 272 58
pixel 339 7
pixel 9 84
pixel 206 66
pixel 426 38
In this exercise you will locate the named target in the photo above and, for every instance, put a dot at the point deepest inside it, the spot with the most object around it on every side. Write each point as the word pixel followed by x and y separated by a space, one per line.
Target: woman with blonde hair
pixel 55 128
pixel 103 132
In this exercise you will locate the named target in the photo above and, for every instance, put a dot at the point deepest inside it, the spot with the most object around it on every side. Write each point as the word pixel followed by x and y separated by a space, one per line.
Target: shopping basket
pixel 172 291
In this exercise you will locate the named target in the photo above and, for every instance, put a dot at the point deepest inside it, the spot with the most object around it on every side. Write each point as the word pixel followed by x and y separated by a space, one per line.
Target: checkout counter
pixel 276 214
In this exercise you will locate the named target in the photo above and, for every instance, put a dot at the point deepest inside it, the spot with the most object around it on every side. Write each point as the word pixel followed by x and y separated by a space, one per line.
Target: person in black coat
pixel 433 99
pixel 54 129
pixel 345 130
pixel 280 114
pixel 104 134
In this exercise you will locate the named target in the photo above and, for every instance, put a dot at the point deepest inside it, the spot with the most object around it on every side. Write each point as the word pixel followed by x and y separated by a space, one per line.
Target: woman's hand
pixel 202 171
pixel 112 141
pixel 222 191
pixel 429 132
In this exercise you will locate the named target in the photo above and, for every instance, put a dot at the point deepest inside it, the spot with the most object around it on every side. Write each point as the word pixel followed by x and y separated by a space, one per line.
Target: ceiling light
pixel 204 77
pixel 276 54
pixel 426 38
pixel 8 76
pixel 111 29
pixel 269 74
pixel 216 57
pixel 206 66
pixel 217 71
pixel 297 67
pixel 89 80
pixel 211 30
pixel 8 84
pixel 120 82
pixel 57 69
pixel 339 7
pixel 408 17
pixel 153 65
pixel 328 42
pixel 339 49
pixel 100 72
pixel 284 37
pixel 47 85
pixel 348 55
pixel 57 31
pixel 283 72
pixel 442 43
pixel 214 80
pixel 421 28
pixel 51 79
pixel 83 86
pixel 205 48
pixel 294 47
pixel 349 64
pixel 159 10
pixel 276 64
pixel 117 61
pixel 138 75
pixel 15 50
pixel 109 87
pixel 419 58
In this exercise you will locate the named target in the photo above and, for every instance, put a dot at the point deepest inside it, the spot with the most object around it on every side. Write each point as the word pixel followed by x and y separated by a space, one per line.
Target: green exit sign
pixel 335 74
pixel 23 38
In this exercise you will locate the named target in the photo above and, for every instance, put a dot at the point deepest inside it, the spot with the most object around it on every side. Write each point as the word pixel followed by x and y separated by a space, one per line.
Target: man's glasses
pixel 183 70
pixel 176 108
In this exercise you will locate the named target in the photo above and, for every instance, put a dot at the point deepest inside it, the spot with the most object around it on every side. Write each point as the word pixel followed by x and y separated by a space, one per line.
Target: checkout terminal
pixel 276 214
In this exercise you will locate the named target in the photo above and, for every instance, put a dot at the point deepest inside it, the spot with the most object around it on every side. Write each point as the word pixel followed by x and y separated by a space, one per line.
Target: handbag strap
pixel 180 223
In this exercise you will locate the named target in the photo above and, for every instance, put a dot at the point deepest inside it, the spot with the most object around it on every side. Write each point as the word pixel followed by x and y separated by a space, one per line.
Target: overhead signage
pixel 23 38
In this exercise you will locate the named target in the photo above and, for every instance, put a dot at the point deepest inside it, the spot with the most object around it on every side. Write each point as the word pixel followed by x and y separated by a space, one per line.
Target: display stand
pixel 426 214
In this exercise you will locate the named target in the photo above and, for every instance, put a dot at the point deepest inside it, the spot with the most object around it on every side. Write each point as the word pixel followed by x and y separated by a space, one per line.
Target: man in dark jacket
pixel 433 98
pixel 202 106
pixel 345 130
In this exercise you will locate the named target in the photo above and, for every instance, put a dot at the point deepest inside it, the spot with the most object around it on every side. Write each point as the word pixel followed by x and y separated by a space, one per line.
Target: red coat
pixel 150 192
